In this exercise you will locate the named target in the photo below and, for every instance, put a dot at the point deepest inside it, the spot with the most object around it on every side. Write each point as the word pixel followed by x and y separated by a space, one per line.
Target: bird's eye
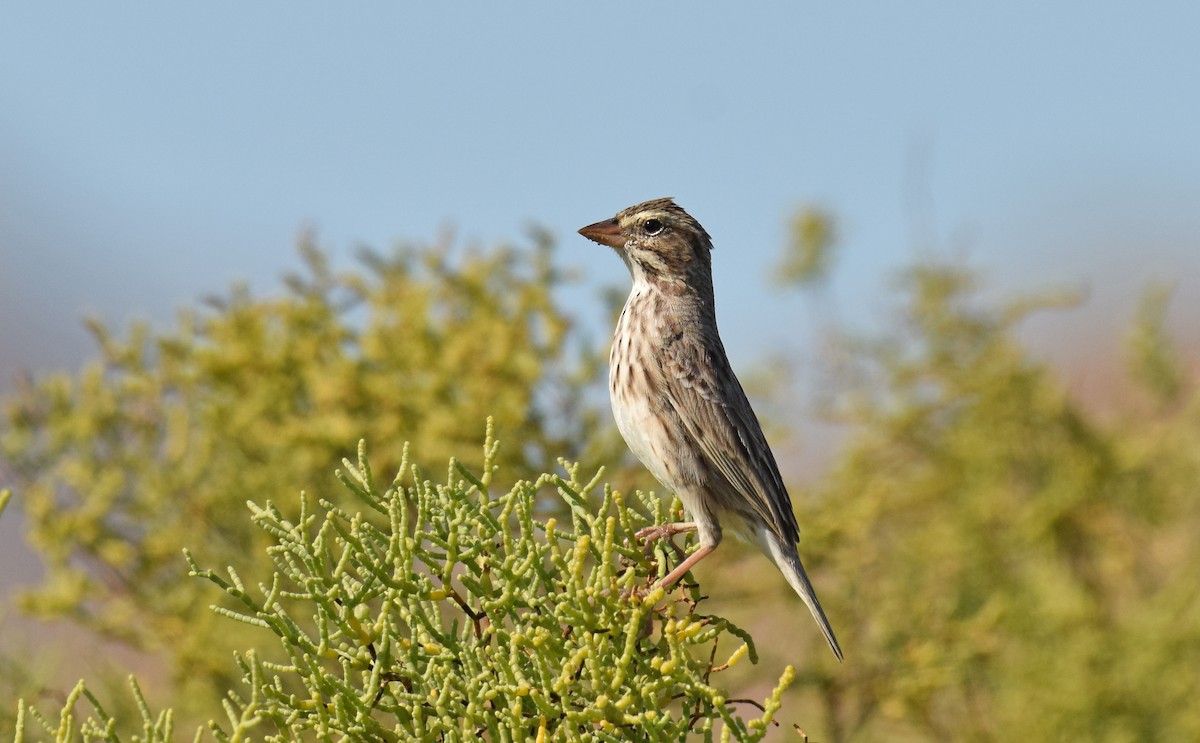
pixel 653 226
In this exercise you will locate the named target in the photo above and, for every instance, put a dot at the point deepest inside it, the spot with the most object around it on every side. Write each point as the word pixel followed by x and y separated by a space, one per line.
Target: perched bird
pixel 678 403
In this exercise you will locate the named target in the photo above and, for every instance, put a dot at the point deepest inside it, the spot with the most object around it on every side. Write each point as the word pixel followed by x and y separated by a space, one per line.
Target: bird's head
pixel 657 240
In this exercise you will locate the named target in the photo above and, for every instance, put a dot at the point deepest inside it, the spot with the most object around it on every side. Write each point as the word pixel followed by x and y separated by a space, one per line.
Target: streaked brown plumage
pixel 678 403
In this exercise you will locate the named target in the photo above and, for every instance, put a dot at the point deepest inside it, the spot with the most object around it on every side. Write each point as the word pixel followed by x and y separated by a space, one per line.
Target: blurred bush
pixel 160 442
pixel 998 560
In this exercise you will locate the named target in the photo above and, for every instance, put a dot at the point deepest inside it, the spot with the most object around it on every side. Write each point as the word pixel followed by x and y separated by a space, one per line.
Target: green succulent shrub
pixel 444 612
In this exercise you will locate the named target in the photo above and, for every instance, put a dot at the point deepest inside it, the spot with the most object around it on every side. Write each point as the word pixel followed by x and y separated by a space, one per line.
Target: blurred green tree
pixel 809 256
pixel 998 560
pixel 160 442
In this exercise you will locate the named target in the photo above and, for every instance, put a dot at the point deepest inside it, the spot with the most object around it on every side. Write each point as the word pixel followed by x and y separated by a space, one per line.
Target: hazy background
pixel 152 153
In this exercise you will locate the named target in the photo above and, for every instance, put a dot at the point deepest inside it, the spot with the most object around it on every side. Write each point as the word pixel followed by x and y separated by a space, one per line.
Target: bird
pixel 679 405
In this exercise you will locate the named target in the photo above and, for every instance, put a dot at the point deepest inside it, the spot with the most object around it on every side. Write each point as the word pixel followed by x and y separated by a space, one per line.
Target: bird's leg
pixel 651 534
pixel 681 570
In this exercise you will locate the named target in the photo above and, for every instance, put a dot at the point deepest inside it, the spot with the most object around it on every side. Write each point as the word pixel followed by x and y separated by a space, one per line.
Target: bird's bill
pixel 607 233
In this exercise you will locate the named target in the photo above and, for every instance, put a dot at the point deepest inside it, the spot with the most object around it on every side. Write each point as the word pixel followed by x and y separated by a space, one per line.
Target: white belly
pixel 643 434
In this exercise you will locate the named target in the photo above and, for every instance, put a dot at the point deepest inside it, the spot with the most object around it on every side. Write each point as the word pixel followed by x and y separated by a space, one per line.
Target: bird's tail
pixel 788 560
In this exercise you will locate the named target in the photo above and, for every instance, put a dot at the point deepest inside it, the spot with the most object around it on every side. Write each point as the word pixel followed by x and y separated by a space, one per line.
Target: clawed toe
pixel 651 534
pixel 635 593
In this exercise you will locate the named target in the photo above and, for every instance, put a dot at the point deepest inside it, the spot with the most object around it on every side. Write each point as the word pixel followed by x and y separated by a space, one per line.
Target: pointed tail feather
pixel 788 560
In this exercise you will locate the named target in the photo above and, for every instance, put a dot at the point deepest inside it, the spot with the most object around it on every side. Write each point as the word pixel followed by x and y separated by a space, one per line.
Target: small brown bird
pixel 678 403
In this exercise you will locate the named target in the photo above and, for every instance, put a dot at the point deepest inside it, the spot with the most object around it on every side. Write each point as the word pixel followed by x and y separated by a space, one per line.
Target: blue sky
pixel 150 153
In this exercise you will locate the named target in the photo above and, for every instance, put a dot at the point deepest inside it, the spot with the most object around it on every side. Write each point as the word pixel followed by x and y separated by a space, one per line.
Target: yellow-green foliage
pixel 809 256
pixel 1000 562
pixel 453 612
pixel 159 442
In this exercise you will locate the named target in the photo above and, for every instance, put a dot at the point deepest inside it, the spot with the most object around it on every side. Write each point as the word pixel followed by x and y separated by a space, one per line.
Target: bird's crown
pixel 661 214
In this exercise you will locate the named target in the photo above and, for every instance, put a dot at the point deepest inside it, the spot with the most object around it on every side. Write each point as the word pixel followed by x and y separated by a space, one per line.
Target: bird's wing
pixel 701 386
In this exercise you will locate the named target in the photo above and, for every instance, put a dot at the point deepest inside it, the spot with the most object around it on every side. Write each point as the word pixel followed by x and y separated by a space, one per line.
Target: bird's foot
pixel 637 592
pixel 652 534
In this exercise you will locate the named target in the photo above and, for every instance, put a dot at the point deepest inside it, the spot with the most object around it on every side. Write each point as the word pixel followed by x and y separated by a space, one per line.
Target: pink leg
pixel 653 533
pixel 673 577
